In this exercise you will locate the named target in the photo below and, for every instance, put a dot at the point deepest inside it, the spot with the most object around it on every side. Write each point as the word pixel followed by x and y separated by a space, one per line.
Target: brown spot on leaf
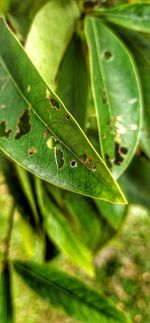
pixel 23 125
pixel 54 103
pixel 85 159
pixel 4 132
pixel 46 133
pixel 32 151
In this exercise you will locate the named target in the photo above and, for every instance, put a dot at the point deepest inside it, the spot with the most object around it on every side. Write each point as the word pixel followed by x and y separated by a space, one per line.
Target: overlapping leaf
pixel 61 233
pixel 140 46
pixel 72 80
pixel 38 132
pixel 117 95
pixel 50 34
pixel 135 16
pixel 63 291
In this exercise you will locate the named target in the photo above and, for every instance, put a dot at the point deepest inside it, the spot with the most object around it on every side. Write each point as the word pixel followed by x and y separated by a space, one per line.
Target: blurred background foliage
pixel 122 266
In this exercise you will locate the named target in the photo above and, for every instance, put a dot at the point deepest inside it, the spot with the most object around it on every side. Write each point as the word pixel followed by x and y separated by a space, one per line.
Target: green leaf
pixel 135 16
pixel 50 34
pixel 113 214
pixel 136 182
pixel 61 233
pixel 116 93
pixel 63 291
pixel 140 46
pixel 27 189
pixel 6 307
pixel 72 80
pixel 85 219
pixel 40 134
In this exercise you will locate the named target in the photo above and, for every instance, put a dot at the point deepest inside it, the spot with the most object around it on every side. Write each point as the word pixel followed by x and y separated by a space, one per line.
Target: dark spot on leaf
pixel 54 103
pixel 107 55
pixel 32 151
pixel 73 163
pixel 23 125
pixel 119 156
pixel 104 97
pixel 108 162
pixel 68 117
pixel 94 168
pixel 4 132
pixel 88 4
pixel 123 150
pixel 85 159
pixel 46 133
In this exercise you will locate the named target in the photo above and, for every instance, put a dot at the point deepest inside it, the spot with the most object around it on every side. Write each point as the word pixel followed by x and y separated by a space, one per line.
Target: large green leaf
pixel 116 93
pixel 135 16
pixel 72 80
pixel 38 132
pixel 61 290
pixel 140 46
pixel 85 219
pixel 6 307
pixel 59 230
pixel 136 182
pixel 50 34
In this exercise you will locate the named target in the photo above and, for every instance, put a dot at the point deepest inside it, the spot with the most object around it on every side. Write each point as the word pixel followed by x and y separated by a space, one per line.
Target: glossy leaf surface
pixel 72 80
pixel 50 34
pixel 6 307
pixel 116 93
pixel 40 134
pixel 61 290
pixel 140 46
pixel 85 219
pixel 135 16
pixel 61 233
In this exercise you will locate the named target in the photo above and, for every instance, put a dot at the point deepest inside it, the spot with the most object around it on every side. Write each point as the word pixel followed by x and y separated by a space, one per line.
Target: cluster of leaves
pixel 75 54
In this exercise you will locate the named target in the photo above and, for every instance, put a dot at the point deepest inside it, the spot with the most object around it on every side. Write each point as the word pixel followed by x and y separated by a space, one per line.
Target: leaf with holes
pixel 63 291
pixel 135 16
pixel 51 144
pixel 50 34
pixel 72 80
pixel 116 93
pixel 140 46
pixel 6 306
pixel 58 229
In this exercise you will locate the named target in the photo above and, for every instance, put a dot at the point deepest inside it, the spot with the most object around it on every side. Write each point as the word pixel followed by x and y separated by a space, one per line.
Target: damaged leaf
pixel 116 93
pixel 31 150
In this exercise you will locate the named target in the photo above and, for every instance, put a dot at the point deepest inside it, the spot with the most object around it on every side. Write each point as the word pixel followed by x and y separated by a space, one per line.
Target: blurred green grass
pixel 123 267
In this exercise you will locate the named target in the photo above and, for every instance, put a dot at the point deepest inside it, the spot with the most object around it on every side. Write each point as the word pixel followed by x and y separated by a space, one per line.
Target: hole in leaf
pixel 107 55
pixel 85 159
pixel 32 151
pixel 4 132
pixel 23 125
pixel 94 168
pixel 119 154
pixel 59 156
pixel 68 117
pixel 123 150
pixel 73 163
pixel 54 103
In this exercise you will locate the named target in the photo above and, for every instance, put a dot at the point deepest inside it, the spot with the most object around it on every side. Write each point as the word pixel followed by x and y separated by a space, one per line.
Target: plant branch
pixel 8 237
